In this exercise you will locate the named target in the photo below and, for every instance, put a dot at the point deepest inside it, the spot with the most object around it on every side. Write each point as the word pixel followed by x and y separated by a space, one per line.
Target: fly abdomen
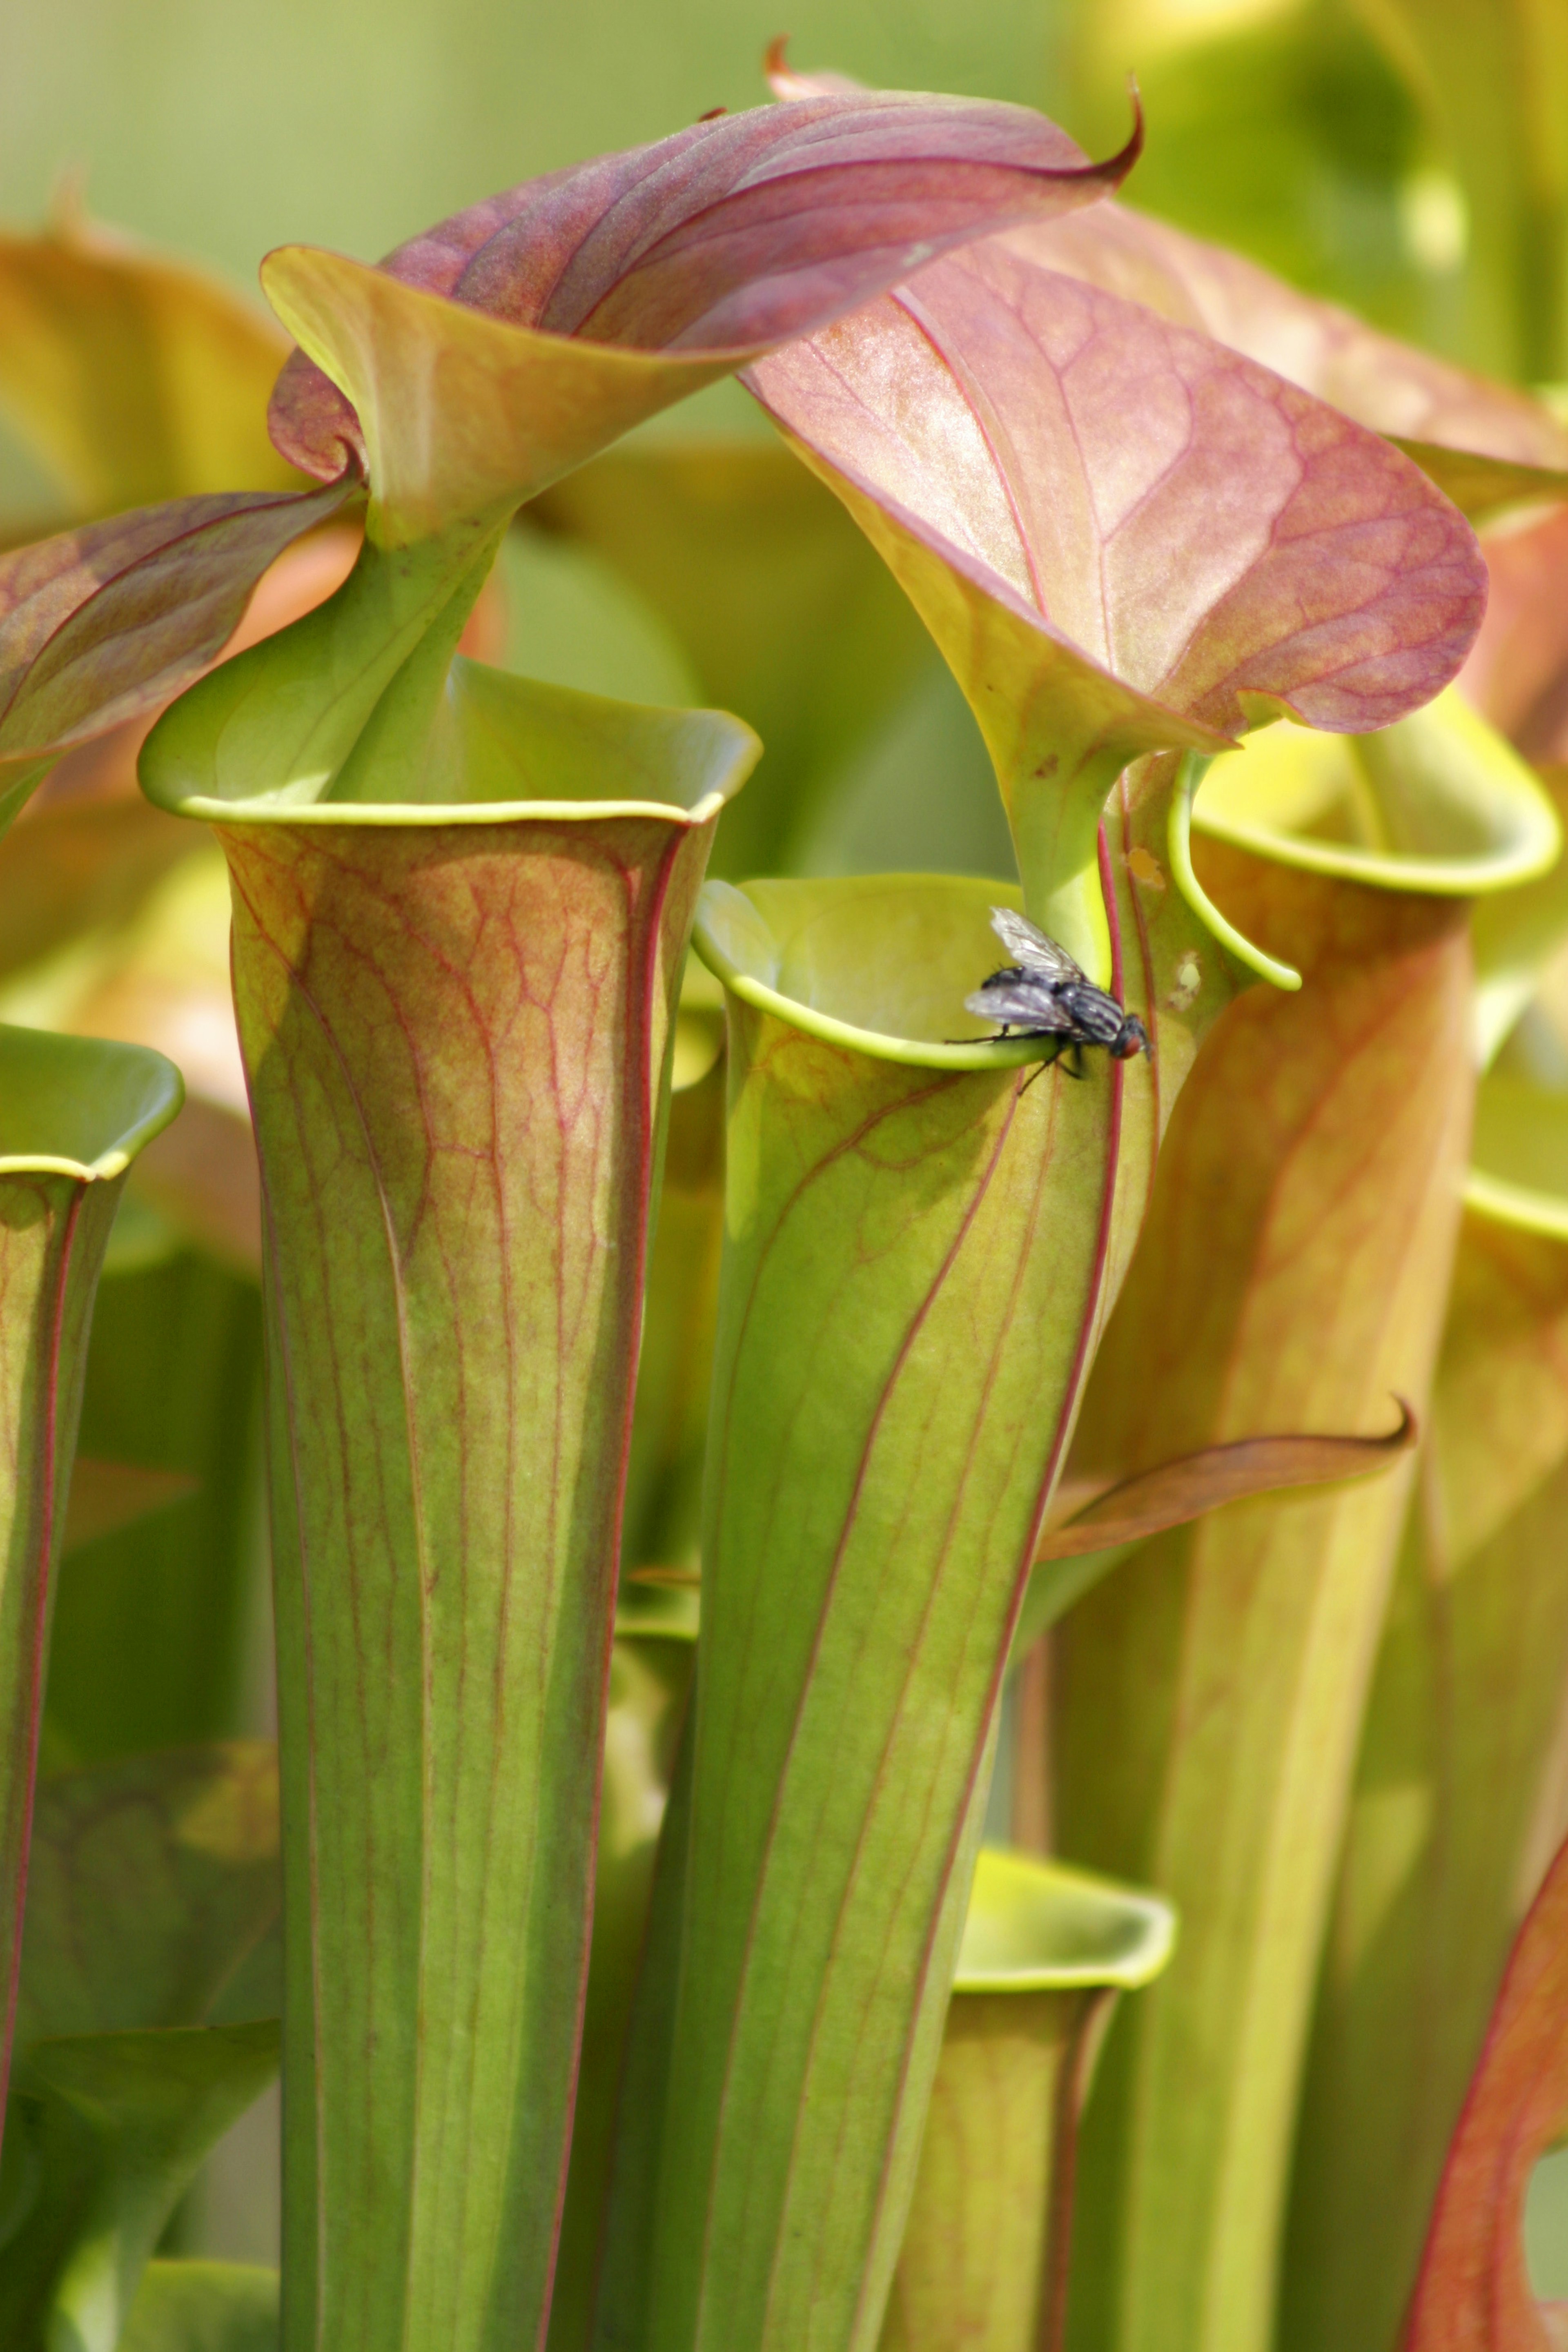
pixel 1097 1018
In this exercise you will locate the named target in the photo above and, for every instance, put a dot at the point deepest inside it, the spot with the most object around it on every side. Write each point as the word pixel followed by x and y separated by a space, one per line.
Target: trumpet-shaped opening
pixel 1437 803
pixel 78 1106
pixel 879 962
pixel 1040 1927
pixel 502 748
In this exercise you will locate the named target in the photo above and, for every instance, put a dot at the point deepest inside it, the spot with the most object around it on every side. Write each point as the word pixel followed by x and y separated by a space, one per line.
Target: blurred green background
pixel 225 126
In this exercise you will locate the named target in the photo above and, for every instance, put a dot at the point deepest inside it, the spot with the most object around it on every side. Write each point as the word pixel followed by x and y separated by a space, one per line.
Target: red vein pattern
pixel 1194 526
pixel 453 1039
pixel 1393 387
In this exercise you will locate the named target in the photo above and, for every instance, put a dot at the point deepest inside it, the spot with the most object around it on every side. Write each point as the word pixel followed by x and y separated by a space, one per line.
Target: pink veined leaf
pixel 1392 386
pixel 1125 537
pixel 106 622
pixel 1381 382
pixel 728 237
pixel 1474 2293
pixel 1202 531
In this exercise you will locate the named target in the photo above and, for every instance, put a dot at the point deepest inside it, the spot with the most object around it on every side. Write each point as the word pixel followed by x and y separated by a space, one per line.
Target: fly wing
pixel 1015 1000
pixel 1031 947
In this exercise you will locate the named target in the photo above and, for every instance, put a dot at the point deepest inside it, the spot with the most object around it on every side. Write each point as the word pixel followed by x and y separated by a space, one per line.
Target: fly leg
pixel 1046 1061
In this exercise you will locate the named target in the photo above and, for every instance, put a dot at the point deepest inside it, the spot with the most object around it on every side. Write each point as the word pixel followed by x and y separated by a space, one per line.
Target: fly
pixel 1043 993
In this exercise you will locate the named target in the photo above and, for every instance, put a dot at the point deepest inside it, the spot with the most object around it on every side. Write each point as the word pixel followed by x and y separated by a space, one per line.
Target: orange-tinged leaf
pixel 1474 2292
pixel 1456 1812
pixel 164 981
pixel 1175 1492
pixel 135 375
pixel 1517 676
pixel 74 866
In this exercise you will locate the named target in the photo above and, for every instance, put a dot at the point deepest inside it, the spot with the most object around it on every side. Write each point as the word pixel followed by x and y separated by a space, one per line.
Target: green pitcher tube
pixel 73 1115
pixel 920 1237
pixel 456 1005
pixel 1292 1274
pixel 1457 1803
